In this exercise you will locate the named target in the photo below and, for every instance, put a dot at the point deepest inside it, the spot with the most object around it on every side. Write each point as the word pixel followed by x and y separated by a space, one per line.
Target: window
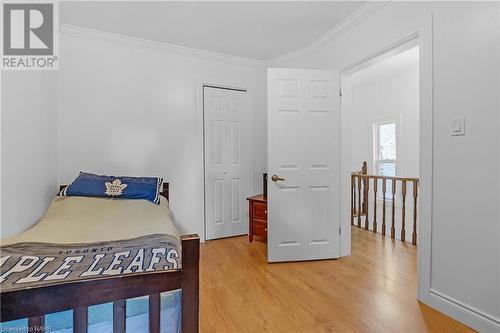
pixel 385 152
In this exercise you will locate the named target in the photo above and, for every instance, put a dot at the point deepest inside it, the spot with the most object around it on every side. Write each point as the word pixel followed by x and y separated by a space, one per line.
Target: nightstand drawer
pixel 260 210
pixel 260 228
pixel 257 211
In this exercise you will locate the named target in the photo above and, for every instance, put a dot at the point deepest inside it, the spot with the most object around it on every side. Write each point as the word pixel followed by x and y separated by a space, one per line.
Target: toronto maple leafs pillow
pixel 91 185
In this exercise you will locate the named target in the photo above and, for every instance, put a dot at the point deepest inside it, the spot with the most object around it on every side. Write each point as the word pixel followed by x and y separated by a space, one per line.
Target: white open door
pixel 303 164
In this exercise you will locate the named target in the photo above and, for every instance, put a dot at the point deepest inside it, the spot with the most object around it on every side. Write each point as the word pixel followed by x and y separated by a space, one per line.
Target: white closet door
pixel 304 158
pixel 226 138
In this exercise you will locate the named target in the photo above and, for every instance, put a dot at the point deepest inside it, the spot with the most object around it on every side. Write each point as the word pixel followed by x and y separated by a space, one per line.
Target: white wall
pixel 386 91
pixel 465 247
pixel 28 148
pixel 128 110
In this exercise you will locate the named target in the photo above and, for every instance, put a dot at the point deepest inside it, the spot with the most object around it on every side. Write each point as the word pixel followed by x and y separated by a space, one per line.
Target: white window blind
pixel 385 152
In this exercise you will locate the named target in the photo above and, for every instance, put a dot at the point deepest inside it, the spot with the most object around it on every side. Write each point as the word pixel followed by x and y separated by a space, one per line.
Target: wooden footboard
pixel 34 303
pixel 190 282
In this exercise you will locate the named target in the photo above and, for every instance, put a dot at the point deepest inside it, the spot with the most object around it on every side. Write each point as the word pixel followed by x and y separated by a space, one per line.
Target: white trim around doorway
pixel 421 36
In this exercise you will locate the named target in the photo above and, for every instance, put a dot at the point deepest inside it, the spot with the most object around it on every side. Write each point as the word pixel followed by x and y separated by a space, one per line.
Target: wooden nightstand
pixel 257 225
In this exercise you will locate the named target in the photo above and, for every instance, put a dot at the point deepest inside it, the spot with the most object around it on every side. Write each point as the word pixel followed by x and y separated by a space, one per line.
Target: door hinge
pixel 340 231
pixel 340 92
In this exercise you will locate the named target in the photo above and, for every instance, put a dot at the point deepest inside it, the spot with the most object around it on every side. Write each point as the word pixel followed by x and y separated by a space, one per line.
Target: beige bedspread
pixel 88 219
pixel 90 238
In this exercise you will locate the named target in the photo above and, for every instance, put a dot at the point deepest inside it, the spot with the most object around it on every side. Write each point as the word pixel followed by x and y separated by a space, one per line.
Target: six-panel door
pixel 304 156
pixel 226 139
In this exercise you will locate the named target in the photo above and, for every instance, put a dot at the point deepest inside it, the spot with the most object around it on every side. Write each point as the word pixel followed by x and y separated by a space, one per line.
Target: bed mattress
pixel 89 238
pixel 89 219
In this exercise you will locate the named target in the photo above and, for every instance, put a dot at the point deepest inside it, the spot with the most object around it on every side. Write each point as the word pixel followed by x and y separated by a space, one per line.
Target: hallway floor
pixel 373 290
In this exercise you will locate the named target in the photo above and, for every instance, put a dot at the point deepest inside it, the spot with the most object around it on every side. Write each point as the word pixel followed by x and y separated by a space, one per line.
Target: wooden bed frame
pixel 34 303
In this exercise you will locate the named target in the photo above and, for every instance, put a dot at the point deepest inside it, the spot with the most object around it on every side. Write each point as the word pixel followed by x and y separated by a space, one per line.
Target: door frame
pixel 200 139
pixel 423 33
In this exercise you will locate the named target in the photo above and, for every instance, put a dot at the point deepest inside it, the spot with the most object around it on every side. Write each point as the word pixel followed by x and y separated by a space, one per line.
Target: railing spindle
pixel 415 195
pixel 365 199
pixel 359 202
pixel 364 171
pixel 355 195
pixel 353 199
pixel 403 213
pixel 80 319
pixel 393 229
pixel 375 185
pixel 383 205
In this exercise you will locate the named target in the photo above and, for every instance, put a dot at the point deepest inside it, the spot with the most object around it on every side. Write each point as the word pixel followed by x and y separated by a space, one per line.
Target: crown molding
pixel 91 34
pixel 345 25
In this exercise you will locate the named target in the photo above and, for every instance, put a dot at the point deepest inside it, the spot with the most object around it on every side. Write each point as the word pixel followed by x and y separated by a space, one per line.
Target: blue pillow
pixel 90 185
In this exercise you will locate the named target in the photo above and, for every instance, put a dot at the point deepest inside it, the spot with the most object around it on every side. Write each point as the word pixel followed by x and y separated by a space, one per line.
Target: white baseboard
pixel 465 313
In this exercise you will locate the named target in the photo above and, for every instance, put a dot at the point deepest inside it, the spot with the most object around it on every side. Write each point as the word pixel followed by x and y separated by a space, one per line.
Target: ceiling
pixel 258 30
pixel 401 62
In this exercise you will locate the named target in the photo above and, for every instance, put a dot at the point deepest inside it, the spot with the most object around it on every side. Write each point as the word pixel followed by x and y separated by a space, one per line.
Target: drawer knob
pixel 265 212
pixel 265 229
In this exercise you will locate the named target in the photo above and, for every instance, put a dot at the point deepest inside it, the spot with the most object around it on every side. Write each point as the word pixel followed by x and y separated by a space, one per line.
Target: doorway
pixel 226 161
pixel 384 130
pixel 385 109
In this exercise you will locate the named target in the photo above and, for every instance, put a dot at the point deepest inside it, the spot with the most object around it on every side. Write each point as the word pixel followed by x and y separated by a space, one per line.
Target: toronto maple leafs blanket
pixel 90 238
pixel 25 265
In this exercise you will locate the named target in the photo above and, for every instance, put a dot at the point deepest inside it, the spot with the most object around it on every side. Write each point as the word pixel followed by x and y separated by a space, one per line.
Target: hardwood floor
pixel 373 290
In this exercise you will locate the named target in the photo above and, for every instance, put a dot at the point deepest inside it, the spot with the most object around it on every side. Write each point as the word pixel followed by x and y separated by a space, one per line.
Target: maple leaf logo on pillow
pixel 115 188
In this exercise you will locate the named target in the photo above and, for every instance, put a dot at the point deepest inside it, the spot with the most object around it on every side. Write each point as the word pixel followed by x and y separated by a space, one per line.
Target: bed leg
pixel 190 283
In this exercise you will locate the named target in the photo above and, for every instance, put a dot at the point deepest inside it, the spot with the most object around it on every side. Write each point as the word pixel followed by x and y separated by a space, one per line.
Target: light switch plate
pixel 457 126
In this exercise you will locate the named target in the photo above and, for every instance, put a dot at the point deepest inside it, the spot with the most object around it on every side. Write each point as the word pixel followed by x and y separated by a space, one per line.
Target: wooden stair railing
pixel 360 186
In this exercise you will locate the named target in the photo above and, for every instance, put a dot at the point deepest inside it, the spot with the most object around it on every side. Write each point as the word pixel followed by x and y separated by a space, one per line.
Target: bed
pixel 108 236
